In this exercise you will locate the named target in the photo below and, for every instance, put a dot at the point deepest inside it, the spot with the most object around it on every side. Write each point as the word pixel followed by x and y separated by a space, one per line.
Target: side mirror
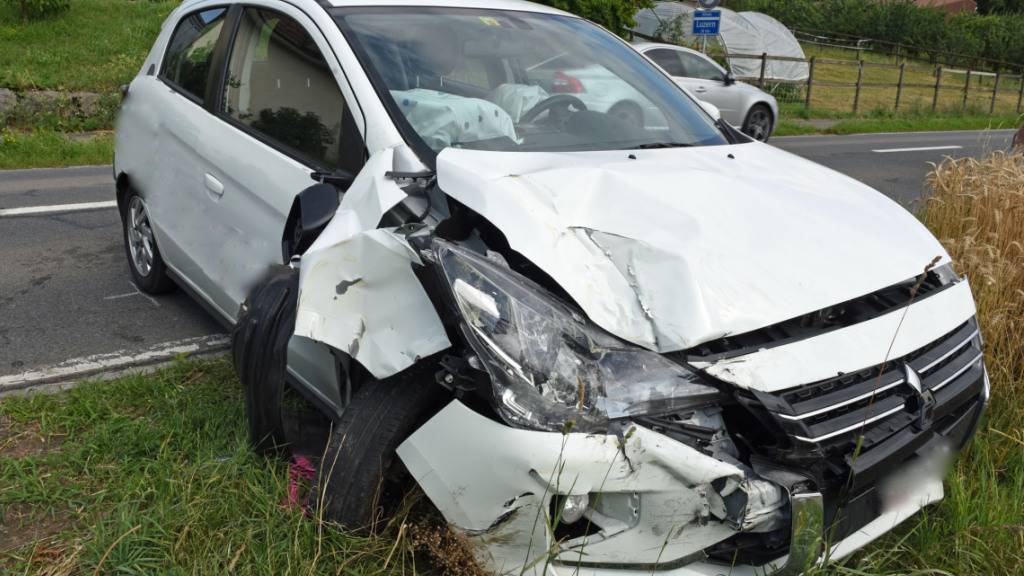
pixel 311 210
pixel 729 79
pixel 711 109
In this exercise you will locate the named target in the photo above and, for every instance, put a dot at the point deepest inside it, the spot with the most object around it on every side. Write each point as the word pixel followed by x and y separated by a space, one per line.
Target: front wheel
pixel 758 124
pixel 259 346
pixel 361 479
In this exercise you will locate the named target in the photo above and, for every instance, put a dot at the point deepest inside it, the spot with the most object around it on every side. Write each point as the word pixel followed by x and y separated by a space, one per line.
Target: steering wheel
pixel 557 102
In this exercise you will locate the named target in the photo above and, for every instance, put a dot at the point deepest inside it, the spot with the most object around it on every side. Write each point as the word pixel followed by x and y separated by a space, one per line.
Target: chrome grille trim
pixel 956 349
pixel 853 400
pixel 970 364
pixel 848 429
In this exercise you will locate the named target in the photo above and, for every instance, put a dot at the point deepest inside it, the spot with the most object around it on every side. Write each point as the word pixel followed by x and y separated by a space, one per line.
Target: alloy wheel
pixel 140 237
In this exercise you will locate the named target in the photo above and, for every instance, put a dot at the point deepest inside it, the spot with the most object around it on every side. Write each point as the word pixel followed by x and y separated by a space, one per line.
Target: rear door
pixel 281 116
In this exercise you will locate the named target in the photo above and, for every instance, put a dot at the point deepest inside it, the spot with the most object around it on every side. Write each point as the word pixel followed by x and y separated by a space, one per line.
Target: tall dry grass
pixel 977 212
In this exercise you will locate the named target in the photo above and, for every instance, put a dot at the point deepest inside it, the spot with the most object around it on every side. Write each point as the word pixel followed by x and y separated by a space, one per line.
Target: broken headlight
pixel 549 365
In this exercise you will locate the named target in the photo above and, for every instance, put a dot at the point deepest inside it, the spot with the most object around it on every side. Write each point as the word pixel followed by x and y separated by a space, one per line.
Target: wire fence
pixel 856 86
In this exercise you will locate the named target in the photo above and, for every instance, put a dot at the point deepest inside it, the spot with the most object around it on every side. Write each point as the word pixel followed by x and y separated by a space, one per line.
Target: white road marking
pixel 31 210
pixel 119 296
pixel 144 295
pixel 922 149
pixel 98 364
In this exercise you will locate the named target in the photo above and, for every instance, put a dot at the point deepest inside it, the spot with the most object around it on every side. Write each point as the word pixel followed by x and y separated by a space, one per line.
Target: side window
pixel 190 51
pixel 698 67
pixel 279 84
pixel 668 60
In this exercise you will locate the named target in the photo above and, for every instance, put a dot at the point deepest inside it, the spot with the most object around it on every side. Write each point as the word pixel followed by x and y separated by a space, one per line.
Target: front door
pixel 282 117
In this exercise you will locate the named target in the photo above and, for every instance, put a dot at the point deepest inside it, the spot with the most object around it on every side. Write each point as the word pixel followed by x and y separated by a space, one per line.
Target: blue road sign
pixel 706 22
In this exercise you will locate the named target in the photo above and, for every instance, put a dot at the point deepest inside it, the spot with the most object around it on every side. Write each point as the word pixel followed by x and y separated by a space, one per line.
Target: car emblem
pixel 924 404
pixel 913 379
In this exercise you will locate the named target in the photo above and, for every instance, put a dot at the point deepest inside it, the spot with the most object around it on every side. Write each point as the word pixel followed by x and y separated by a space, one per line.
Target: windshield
pixel 518 81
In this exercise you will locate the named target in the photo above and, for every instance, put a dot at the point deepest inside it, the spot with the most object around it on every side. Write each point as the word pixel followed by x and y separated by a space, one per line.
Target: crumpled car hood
pixel 671 248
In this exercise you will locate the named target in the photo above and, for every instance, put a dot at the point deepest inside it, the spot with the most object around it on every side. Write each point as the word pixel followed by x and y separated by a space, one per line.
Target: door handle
pixel 214 186
pixel 700 89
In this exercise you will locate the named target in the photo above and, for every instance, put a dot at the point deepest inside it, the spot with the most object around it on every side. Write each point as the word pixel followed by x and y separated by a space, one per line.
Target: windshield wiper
pixel 653 145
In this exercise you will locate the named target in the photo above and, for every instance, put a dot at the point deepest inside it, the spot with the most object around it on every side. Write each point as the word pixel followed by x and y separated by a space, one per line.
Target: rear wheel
pixel 144 261
pixel 758 124
pixel 361 480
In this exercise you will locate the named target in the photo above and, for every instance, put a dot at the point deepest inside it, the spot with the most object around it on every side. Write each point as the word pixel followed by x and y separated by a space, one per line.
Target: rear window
pixel 190 51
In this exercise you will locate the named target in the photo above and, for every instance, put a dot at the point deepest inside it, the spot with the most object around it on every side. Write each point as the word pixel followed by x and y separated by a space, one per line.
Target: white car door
pixel 702 78
pixel 174 102
pixel 708 81
pixel 281 116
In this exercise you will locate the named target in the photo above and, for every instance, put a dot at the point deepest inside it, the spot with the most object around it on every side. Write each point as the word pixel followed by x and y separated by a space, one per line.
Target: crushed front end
pixel 570 452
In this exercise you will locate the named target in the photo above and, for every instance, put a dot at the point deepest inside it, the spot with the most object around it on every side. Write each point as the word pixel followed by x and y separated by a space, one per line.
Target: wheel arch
pixel 122 188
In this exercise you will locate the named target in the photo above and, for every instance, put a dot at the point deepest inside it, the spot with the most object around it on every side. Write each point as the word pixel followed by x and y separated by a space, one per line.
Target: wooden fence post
pixel 995 92
pixel 856 93
pixel 899 86
pixel 764 66
pixel 938 85
pixel 967 90
pixel 1020 95
pixel 810 83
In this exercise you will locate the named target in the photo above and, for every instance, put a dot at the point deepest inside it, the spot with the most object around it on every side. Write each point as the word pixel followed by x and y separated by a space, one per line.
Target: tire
pixel 259 348
pixel 361 479
pixel 144 261
pixel 759 123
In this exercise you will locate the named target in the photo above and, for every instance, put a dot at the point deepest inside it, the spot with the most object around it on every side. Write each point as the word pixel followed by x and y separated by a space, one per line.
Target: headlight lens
pixel 548 364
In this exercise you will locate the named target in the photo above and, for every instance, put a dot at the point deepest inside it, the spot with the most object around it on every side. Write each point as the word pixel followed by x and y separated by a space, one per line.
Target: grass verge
pixel 153 474
pixel 47 149
pixel 96 46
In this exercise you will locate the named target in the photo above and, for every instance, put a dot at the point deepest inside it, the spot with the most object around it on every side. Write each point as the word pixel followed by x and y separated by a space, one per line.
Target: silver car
pixel 742 105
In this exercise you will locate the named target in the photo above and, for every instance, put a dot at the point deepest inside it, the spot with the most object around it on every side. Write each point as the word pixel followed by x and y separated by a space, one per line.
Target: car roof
pixel 645 46
pixel 517 5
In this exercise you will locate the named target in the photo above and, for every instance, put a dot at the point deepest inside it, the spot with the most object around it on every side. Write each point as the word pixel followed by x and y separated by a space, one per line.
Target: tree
pixel 1000 6
pixel 615 15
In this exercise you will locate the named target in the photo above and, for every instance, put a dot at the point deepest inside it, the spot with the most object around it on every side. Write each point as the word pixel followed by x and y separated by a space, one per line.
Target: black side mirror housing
pixel 729 80
pixel 311 210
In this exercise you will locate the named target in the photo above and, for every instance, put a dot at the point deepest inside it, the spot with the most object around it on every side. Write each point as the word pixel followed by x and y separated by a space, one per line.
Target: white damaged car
pixel 598 346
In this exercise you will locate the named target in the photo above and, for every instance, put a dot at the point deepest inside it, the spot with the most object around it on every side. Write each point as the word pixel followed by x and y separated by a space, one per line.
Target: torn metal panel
pixel 656 249
pixel 849 349
pixel 357 289
pixel 495 482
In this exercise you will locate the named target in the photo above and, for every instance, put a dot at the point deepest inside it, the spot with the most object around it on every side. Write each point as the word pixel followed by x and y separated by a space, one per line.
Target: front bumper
pixel 496 484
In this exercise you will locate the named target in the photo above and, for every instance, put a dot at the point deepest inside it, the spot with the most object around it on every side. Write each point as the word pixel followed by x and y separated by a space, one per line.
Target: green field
pixel 919 82
pixel 97 46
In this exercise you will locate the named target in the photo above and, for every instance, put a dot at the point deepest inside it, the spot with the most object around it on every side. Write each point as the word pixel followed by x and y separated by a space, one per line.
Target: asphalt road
pixel 67 305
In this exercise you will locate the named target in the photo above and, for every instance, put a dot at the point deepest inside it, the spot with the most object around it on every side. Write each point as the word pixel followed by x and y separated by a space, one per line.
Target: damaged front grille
pixel 833 413
pixel 856 428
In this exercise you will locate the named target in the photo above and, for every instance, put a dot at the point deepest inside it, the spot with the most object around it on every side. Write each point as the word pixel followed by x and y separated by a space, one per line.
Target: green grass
pixel 46 148
pixel 97 46
pixel 153 475
pixel 911 123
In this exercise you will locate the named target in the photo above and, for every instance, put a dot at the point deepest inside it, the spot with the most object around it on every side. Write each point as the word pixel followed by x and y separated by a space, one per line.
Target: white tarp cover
pixel 740 33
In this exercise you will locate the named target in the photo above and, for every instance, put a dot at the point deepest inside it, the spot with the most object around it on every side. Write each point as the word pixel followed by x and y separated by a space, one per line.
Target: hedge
pixel 926 31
